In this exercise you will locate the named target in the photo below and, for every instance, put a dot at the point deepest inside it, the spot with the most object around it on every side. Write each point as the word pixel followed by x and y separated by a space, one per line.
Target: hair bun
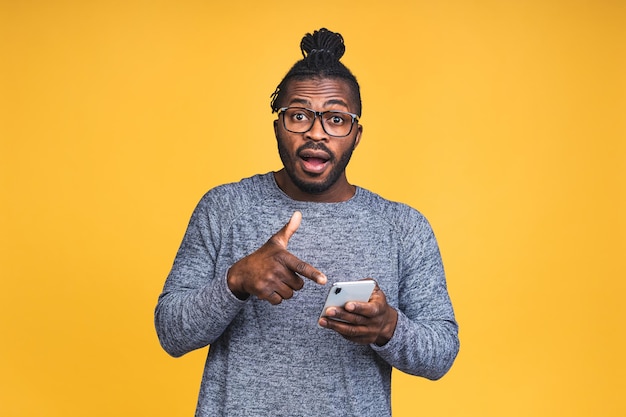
pixel 323 42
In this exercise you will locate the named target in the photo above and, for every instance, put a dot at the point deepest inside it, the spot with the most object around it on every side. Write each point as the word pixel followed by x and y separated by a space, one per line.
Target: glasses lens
pixel 337 123
pixel 298 120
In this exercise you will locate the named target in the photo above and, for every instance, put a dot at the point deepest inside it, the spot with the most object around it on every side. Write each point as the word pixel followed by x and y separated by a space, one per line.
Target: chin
pixel 312 187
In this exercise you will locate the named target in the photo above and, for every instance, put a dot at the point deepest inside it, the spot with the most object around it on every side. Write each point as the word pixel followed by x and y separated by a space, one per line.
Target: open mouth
pixel 314 161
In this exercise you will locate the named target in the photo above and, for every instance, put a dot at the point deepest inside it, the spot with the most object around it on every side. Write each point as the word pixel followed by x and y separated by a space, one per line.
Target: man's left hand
pixel 364 323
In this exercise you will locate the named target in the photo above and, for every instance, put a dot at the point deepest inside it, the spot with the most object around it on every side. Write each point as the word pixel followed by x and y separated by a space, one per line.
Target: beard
pixel 338 166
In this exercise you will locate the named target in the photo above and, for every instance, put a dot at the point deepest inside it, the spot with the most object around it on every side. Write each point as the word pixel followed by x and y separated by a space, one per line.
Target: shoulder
pixel 399 215
pixel 410 226
pixel 242 190
pixel 229 200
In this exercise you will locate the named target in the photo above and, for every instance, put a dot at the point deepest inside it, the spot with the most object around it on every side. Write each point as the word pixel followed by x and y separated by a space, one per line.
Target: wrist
pixel 234 287
pixel 389 327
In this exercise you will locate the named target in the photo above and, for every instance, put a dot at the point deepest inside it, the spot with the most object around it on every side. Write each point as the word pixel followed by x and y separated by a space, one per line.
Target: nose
pixel 317 132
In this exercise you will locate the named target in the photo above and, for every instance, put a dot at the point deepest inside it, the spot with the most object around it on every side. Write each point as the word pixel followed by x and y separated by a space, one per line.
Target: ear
pixel 276 128
pixel 359 132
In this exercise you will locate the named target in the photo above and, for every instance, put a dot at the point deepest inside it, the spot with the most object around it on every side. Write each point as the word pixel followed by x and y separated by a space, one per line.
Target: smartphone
pixel 342 292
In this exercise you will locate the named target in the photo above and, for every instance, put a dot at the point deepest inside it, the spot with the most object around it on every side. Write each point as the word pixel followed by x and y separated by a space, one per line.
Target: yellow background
pixel 502 121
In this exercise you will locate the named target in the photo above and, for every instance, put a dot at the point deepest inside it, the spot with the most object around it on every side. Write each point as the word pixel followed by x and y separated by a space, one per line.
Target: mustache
pixel 316 147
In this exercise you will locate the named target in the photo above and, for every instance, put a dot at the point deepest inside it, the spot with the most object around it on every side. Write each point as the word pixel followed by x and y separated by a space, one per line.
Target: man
pixel 252 287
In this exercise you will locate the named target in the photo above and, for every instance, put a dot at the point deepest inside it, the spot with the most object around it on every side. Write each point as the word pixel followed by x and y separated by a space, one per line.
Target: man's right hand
pixel 271 272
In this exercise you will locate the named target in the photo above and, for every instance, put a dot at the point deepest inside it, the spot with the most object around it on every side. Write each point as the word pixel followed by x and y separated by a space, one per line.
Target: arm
pixel 425 341
pixel 199 302
pixel 196 305
pixel 420 335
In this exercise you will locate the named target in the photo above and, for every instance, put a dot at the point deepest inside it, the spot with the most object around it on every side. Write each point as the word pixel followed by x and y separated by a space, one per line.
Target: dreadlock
pixel 321 53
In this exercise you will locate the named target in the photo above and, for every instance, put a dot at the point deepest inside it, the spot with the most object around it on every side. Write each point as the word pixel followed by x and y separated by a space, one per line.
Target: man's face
pixel 314 160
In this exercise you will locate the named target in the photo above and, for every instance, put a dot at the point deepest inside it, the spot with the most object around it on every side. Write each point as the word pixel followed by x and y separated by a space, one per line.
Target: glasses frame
pixel 316 114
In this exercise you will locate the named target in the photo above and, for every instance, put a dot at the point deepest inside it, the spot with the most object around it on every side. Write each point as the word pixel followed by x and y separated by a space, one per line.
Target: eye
pixel 298 115
pixel 337 119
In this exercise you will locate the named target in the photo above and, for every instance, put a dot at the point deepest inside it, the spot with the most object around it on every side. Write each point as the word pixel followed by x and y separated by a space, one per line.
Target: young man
pixel 252 287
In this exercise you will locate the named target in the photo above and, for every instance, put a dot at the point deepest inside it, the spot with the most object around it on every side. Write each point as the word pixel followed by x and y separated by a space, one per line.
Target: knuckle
pixel 276 240
pixel 264 294
pixel 360 320
pixel 281 259
pixel 376 310
pixel 274 298
pixel 302 267
pixel 352 332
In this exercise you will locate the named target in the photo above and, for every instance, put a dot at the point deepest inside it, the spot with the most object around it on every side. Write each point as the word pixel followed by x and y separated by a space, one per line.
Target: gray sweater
pixel 267 360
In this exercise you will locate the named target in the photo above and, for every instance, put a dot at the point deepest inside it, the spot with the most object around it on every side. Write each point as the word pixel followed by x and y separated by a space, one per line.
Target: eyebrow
pixel 306 102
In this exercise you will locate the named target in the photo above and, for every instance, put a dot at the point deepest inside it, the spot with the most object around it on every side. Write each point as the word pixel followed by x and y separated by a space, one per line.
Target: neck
pixel 340 191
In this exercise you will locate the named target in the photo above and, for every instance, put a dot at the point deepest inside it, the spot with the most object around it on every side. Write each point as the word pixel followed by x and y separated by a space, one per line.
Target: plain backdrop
pixel 502 121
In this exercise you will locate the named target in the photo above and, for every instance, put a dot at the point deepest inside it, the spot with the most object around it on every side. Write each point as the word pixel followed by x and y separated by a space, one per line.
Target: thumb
pixel 284 234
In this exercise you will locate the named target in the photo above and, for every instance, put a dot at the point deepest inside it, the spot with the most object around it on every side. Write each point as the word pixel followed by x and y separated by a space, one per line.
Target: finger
pixel 271 296
pixel 294 281
pixel 303 269
pixel 283 235
pixel 284 290
pixel 372 308
pixel 352 332
pixel 363 309
pixel 274 298
pixel 340 314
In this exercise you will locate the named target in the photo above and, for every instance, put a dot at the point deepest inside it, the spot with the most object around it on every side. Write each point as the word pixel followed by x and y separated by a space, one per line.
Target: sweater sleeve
pixel 425 342
pixel 196 305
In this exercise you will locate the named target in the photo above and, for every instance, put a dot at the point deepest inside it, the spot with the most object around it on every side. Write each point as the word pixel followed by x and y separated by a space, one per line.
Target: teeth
pixel 314 157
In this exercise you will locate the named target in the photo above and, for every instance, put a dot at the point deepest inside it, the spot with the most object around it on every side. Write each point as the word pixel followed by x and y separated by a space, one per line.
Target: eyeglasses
pixel 335 123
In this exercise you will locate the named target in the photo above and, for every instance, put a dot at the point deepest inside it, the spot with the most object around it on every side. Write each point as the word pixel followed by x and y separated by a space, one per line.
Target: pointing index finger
pixel 304 269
